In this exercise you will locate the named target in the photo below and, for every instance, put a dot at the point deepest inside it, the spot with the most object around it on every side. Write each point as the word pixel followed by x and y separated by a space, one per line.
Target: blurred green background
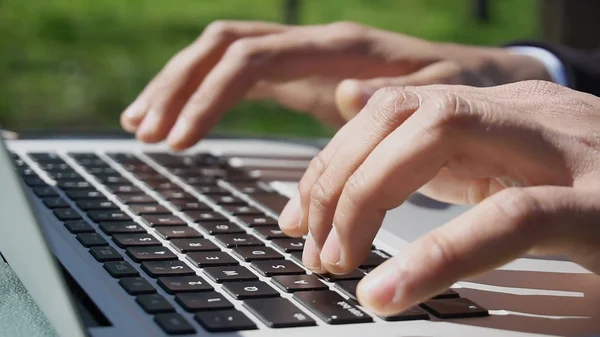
pixel 75 64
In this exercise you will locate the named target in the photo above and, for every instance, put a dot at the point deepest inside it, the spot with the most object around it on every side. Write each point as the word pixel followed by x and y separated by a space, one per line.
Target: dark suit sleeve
pixel 583 67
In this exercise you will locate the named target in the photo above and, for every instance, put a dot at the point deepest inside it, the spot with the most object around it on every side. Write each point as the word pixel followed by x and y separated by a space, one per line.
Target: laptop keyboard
pixel 192 238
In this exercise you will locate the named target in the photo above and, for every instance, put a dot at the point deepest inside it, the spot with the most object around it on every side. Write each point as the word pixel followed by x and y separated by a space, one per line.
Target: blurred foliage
pixel 77 63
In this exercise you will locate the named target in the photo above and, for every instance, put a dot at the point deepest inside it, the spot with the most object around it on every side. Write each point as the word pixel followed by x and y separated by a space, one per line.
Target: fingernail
pixel 178 132
pixel 310 255
pixel 135 110
pixel 331 252
pixel 291 214
pixel 379 288
pixel 149 125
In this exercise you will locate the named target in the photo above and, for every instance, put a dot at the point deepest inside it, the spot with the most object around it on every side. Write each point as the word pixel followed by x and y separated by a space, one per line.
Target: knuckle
pixel 450 112
pixel 219 30
pixel 322 193
pixel 537 88
pixel 355 188
pixel 440 250
pixel 246 50
pixel 385 105
pixel 315 168
pixel 346 27
pixel 520 208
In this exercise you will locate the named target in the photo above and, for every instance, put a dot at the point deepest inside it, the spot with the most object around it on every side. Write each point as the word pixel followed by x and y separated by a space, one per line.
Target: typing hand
pixel 329 71
pixel 525 153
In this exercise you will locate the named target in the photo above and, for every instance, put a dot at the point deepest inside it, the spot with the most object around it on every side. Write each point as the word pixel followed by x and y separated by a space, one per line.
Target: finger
pixel 360 137
pixel 448 130
pixel 495 232
pixel 292 55
pixel 351 95
pixel 166 94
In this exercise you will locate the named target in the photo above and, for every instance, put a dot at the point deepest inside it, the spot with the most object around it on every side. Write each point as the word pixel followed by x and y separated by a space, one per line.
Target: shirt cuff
pixel 555 67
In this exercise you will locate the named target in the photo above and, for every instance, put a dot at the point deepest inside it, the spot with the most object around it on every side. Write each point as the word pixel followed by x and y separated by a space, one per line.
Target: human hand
pixel 525 153
pixel 329 71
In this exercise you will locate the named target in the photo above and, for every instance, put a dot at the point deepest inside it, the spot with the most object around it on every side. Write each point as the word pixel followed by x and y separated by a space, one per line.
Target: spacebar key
pixel 278 312
pixel 331 307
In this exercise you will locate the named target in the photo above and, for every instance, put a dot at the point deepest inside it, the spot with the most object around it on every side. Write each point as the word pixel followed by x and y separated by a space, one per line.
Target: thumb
pixel 351 95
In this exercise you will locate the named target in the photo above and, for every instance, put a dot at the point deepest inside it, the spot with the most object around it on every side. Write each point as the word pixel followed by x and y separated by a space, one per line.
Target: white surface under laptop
pixel 525 297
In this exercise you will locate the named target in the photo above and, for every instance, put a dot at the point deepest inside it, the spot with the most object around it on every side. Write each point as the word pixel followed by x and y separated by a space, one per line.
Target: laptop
pixel 116 238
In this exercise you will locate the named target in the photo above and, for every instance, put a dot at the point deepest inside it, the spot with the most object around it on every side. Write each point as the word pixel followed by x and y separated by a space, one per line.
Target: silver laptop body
pixel 527 297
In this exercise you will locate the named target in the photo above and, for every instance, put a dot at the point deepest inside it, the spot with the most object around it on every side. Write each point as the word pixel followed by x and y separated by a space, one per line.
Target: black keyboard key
pixel 65 214
pixel 108 215
pixel 140 209
pixel 374 259
pixel 124 189
pixel 201 301
pixel 119 269
pixel 331 307
pixel 272 201
pixel 277 267
pixel 184 284
pixel 77 194
pixel 230 274
pixel 454 308
pixel 348 287
pixel 55 202
pixel 75 183
pixel 132 199
pixel 224 320
pixel 55 166
pixel 174 324
pixel 205 216
pixel 211 190
pixel 353 275
pixel 167 268
pixel 175 194
pixel 129 240
pixel 296 256
pixel 96 204
pixel 447 294
pixel 194 245
pixel 411 314
pixel 35 181
pixel 45 191
pixel 227 200
pixel 293 283
pixel 160 184
pixel 190 205
pixel 177 232
pixel 242 210
pixel 153 253
pixel 163 220
pixel 250 254
pixel 238 240
pixel 256 221
pixel 78 226
pixel 105 253
pixel 270 232
pixel 252 187
pixel 121 227
pixel 136 286
pixel 67 175
pixel 196 180
pixel 250 289
pixel 112 179
pixel 44 156
pixel 154 303
pixel 289 245
pixel 91 239
pixel 278 312
pixel 221 228
pixel 211 259
pixel 102 171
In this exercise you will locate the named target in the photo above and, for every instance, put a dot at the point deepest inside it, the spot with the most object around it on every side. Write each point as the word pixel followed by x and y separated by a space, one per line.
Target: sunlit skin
pixel 525 153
